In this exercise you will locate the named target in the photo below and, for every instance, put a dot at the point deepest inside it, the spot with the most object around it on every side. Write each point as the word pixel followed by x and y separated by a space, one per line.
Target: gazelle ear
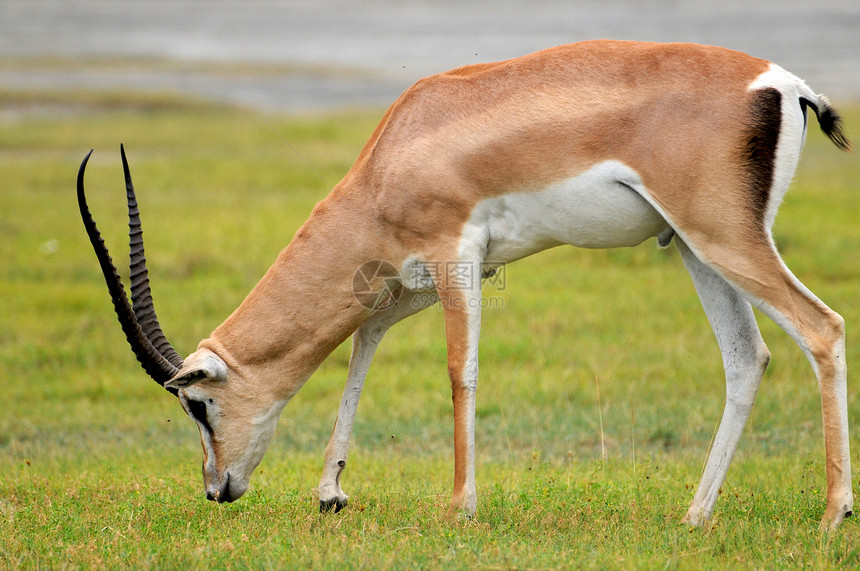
pixel 202 364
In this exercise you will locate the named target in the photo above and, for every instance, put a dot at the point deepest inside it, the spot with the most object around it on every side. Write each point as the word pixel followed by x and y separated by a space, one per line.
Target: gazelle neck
pixel 304 306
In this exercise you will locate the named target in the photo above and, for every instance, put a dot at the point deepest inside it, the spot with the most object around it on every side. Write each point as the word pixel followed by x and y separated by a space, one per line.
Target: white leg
pixel 753 266
pixel 745 358
pixel 365 341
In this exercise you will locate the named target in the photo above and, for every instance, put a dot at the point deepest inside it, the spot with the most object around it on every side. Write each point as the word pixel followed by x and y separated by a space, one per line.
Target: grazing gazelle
pixel 598 144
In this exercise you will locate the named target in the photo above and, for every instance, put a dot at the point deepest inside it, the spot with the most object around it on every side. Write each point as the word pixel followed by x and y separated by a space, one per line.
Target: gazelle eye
pixel 197 409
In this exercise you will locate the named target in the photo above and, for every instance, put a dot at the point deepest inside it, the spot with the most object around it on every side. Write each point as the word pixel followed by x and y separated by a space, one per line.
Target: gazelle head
pixel 235 425
pixel 235 428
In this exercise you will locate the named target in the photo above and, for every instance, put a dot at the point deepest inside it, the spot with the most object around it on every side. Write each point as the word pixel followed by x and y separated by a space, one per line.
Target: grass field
pixel 601 383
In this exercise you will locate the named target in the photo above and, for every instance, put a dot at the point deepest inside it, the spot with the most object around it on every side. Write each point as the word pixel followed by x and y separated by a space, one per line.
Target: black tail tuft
pixel 830 122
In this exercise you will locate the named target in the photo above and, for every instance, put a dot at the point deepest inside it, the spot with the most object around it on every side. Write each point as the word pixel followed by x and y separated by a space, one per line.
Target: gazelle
pixel 598 144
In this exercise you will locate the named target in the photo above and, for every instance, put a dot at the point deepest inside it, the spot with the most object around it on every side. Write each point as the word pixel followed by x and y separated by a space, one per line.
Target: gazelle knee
pixel 827 345
pixel 743 378
pixel 745 368
pixel 837 331
pixel 833 332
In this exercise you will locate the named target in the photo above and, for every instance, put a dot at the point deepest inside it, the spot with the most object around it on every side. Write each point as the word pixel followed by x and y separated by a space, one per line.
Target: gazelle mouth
pixel 221 495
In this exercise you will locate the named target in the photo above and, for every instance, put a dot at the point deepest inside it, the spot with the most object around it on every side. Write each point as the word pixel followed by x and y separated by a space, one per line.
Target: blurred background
pixel 314 54
pixel 601 380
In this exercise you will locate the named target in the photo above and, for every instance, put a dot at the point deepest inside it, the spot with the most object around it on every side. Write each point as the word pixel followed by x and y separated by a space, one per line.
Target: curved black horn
pixel 153 362
pixel 141 295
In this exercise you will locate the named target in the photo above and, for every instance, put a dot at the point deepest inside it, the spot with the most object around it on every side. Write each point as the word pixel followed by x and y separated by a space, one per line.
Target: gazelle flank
pixel 598 144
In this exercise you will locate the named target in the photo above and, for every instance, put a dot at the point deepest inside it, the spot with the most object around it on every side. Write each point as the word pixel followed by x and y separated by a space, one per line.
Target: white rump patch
pixel 792 132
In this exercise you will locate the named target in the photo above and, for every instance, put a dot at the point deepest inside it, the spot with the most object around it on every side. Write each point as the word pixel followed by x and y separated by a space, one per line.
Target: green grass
pixel 100 467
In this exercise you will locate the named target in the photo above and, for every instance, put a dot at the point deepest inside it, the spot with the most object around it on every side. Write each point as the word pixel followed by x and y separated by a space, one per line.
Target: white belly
pixel 596 209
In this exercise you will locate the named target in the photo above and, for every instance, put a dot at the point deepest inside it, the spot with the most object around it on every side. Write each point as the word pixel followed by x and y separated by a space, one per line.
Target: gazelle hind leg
pixel 365 341
pixel 745 358
pixel 755 269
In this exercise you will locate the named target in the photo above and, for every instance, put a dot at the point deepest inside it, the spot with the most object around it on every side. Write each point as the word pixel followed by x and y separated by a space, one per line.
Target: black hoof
pixel 336 503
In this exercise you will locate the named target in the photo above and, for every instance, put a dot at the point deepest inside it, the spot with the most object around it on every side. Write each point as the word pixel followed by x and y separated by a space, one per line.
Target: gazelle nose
pixel 213 494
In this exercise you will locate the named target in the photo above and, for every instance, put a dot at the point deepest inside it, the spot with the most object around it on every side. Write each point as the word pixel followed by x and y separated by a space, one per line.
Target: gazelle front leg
pixel 462 329
pixel 364 344
pixel 745 359
pixel 365 341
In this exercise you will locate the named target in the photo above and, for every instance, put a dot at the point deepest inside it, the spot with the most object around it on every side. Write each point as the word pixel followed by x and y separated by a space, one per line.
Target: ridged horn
pixel 141 295
pixel 157 366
